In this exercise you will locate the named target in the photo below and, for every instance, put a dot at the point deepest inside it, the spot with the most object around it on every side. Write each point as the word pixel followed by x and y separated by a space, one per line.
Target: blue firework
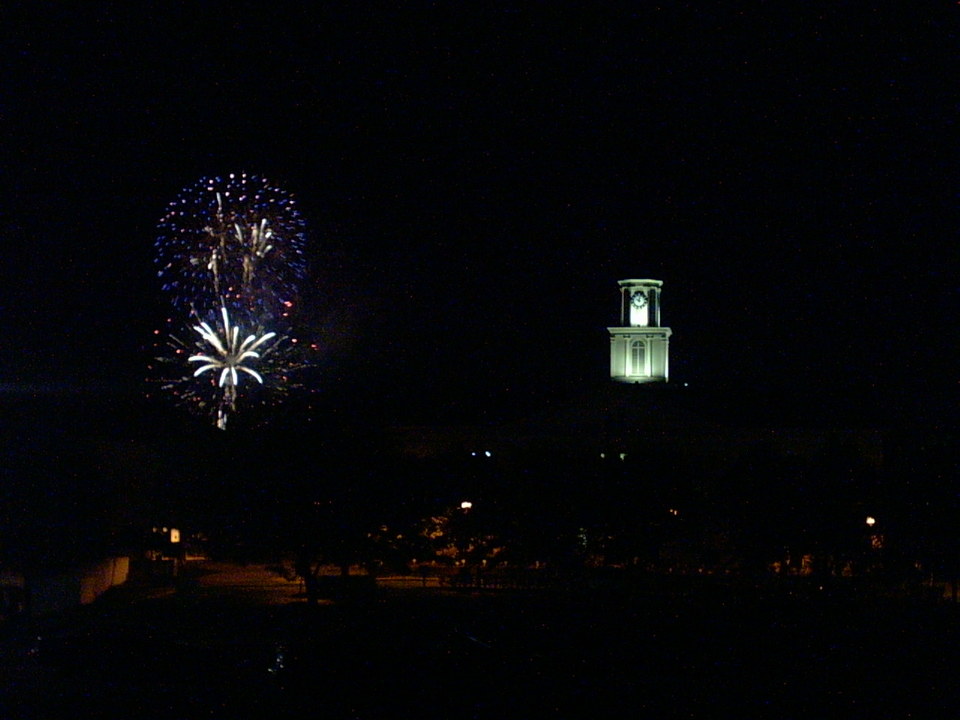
pixel 236 237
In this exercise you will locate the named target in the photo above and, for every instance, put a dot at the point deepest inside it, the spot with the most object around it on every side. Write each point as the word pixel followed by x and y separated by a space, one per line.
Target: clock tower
pixel 639 347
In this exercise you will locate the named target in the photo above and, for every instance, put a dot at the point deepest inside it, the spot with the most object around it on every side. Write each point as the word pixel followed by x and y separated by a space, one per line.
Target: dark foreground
pixel 710 652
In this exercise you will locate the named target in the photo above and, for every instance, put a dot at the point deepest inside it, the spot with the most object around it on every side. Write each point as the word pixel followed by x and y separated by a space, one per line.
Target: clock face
pixel 638 299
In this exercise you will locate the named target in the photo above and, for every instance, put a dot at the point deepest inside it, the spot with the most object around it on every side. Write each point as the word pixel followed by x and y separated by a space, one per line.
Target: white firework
pixel 231 355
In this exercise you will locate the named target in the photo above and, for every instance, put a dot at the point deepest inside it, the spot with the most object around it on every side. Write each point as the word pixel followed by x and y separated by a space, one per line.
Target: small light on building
pixel 174 535
pixel 871 521
pixel 466 505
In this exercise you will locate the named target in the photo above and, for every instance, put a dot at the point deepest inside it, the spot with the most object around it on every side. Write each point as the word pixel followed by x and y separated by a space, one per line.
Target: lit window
pixel 638 358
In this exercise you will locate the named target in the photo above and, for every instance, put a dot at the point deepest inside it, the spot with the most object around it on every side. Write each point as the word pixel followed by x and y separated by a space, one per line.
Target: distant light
pixel 174 535
pixel 871 521
pixel 488 453
pixel 466 505
pixel 623 456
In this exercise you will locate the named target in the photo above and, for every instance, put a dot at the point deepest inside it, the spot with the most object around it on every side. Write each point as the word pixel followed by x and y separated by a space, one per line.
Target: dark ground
pixel 700 651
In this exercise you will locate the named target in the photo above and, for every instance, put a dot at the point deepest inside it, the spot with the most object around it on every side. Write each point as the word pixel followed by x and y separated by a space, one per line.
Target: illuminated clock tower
pixel 639 347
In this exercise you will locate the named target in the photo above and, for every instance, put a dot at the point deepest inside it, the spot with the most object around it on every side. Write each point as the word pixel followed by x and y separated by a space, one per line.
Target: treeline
pixel 352 499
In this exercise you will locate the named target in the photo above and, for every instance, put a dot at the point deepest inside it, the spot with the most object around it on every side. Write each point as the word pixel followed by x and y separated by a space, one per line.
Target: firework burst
pixel 230 354
pixel 237 237
pixel 220 365
pixel 230 253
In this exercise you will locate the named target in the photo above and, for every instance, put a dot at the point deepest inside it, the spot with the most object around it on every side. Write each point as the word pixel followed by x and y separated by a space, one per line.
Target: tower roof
pixel 648 282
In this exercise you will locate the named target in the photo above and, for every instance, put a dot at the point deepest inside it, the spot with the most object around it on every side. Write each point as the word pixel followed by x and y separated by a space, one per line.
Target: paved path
pixel 253 583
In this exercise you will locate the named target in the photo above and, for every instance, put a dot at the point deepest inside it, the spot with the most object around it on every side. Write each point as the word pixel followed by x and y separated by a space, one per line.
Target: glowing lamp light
pixel 174 535
pixel 466 505
pixel 871 521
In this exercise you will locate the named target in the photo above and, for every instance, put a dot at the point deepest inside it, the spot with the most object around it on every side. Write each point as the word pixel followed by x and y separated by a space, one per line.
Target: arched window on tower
pixel 638 358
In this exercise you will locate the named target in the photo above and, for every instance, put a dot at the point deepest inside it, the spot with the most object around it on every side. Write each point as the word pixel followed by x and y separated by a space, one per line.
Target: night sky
pixel 476 178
